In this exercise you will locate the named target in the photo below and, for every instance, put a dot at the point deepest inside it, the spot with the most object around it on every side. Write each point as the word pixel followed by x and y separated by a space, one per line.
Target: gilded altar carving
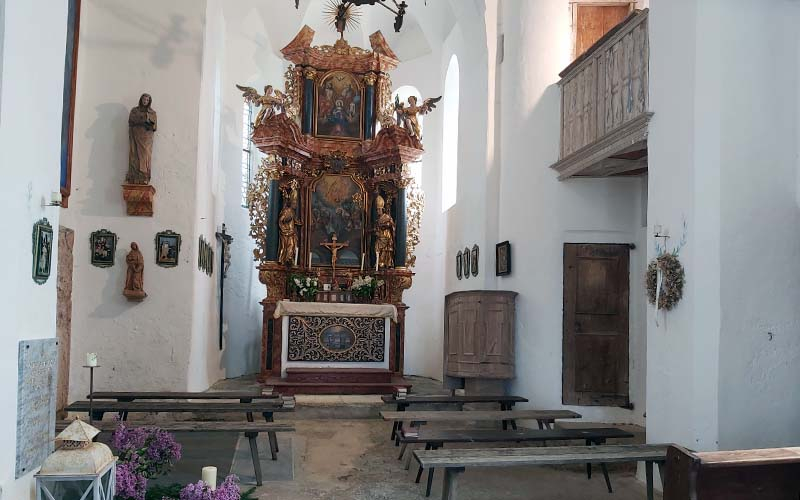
pixel 274 276
pixel 415 205
pixel 288 223
pixel 384 235
pixel 408 116
pixel 292 91
pixel 271 103
pixel 347 339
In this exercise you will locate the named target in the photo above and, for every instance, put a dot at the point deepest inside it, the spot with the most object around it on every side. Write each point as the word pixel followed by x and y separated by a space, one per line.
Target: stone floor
pixel 341 451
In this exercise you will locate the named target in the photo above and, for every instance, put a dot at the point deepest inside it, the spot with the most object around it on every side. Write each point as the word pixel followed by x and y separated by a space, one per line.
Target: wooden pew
pixel 266 408
pixel 127 396
pixel 455 461
pixel 435 439
pixel 771 474
pixel 505 402
pixel 250 430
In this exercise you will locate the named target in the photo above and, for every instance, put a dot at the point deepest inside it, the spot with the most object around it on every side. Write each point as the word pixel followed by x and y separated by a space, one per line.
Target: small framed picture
pixel 474 258
pixel 467 263
pixel 102 248
pixel 459 264
pixel 503 261
pixel 42 250
pixel 168 248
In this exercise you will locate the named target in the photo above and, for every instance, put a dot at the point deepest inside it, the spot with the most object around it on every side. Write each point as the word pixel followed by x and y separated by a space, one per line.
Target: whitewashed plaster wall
pixel 125 50
pixel 716 379
pixel 538 214
pixel 30 148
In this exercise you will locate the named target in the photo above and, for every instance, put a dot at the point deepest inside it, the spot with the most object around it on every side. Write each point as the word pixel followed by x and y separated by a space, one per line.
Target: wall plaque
pixel 36 403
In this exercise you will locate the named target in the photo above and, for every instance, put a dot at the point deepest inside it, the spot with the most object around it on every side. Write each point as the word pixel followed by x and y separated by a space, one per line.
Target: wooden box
pixel 772 474
pixel 479 334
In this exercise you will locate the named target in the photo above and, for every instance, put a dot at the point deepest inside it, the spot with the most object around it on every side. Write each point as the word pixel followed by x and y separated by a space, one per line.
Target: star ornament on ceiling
pixel 344 17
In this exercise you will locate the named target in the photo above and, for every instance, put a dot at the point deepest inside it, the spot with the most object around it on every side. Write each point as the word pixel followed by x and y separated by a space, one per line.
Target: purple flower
pixel 228 490
pixel 150 450
pixel 130 484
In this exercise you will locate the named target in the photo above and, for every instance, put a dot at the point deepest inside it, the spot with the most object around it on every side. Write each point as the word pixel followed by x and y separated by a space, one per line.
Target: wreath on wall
pixel 672 277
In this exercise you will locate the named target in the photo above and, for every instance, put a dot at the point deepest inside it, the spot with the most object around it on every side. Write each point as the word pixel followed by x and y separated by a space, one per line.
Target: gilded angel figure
pixel 407 115
pixel 271 103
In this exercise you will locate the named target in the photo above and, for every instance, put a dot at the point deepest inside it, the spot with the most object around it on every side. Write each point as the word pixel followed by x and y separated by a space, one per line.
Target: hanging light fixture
pixel 342 9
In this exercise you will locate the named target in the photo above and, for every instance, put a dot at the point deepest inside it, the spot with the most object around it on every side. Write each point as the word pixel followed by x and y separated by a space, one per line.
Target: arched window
pixel 247 151
pixel 403 93
pixel 450 136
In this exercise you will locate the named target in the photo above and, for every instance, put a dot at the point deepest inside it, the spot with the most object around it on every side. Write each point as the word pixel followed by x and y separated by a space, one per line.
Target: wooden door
pixel 595 355
pixel 594 21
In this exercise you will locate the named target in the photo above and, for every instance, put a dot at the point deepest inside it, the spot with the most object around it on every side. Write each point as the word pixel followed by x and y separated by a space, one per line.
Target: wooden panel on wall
pixel 594 21
pixel 479 334
pixel 66 245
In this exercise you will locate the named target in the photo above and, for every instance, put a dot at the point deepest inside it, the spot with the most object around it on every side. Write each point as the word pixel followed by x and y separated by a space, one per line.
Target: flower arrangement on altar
pixel 364 287
pixel 306 287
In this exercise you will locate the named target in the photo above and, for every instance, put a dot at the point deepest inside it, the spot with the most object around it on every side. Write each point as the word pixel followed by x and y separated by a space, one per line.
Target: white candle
pixel 91 359
pixel 362 262
pixel 296 255
pixel 310 254
pixel 210 477
pixel 377 260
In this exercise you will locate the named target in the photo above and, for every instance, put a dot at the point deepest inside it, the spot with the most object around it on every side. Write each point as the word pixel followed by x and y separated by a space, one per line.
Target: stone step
pixel 339 375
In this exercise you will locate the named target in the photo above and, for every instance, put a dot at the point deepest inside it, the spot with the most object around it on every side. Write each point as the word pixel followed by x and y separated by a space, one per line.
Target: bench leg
pixel 402 451
pixel 273 444
pixel 449 487
pixel 251 436
pixel 419 472
pixel 408 459
pixel 429 485
pixel 648 472
pixel 394 430
pixel 513 424
pixel 608 479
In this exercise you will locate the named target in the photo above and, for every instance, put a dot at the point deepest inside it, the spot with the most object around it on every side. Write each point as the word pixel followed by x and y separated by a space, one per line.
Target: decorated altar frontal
pixel 323 335
pixel 335 215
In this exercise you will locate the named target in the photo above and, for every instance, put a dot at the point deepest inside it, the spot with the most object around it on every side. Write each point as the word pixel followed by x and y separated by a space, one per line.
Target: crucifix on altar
pixel 334 246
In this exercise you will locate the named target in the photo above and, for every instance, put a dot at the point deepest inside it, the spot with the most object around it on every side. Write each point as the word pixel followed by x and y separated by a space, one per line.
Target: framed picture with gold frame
pixel 339 106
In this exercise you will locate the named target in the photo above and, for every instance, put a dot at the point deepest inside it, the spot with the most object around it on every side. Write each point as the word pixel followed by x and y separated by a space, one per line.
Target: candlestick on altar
pixel 377 260
pixel 310 254
pixel 296 255
pixel 362 261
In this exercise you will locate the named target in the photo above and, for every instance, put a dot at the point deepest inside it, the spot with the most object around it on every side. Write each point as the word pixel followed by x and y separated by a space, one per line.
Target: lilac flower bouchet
pixel 228 490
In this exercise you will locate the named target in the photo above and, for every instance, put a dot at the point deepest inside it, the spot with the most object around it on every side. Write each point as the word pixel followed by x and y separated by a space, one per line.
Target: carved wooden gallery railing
pixel 605 104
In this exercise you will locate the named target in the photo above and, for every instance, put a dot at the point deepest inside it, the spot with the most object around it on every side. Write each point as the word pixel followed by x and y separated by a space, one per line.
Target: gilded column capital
pixel 370 79
pixel 310 73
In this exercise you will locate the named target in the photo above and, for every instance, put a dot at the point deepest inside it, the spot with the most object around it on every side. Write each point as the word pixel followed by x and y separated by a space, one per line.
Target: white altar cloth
pixel 289 308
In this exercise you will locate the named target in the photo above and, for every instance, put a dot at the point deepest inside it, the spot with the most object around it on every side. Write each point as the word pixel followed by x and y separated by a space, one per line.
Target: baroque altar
pixel 334 203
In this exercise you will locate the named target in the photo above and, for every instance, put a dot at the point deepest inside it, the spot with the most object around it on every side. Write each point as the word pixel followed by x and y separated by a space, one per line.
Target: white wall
pixel 538 214
pixel 30 147
pixel 125 50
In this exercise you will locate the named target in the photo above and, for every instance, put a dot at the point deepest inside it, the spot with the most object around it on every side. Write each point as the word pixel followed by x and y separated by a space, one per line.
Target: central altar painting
pixel 337 207
pixel 335 211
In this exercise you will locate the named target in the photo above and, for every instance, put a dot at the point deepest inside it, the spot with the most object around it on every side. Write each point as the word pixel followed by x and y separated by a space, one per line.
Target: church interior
pixel 400 249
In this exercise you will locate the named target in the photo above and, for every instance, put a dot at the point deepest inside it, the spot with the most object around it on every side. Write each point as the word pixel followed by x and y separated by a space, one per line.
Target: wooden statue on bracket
pixel 134 279
pixel 142 125
pixel 384 235
pixel 287 224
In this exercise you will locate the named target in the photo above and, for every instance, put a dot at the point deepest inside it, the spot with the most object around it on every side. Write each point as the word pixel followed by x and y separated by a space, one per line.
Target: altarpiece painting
pixel 339 110
pixel 337 207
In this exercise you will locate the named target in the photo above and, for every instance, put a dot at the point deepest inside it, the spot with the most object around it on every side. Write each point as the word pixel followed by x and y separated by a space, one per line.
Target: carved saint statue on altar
pixel 142 124
pixel 384 235
pixel 407 116
pixel 287 225
pixel 134 279
pixel 272 102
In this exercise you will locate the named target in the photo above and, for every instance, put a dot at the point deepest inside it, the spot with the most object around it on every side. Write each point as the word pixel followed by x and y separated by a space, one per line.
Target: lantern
pixel 80 469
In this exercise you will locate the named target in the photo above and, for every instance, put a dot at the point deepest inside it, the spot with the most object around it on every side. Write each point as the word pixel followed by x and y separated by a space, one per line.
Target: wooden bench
pixel 771 474
pixel 127 396
pixel 545 418
pixel 455 461
pixel 266 408
pixel 506 402
pixel 250 430
pixel 435 439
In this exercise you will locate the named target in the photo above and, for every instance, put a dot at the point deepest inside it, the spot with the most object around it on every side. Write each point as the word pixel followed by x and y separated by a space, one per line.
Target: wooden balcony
pixel 605 105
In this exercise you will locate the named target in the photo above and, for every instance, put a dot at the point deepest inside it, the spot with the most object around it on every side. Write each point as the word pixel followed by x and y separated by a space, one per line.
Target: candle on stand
pixel 296 255
pixel 310 254
pixel 210 477
pixel 91 359
pixel 377 260
pixel 362 261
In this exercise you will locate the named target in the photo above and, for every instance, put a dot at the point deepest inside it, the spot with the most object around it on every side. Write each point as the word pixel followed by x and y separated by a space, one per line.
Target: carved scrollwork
pixel 274 276
pixel 415 205
pixel 258 205
pixel 292 90
pixel 315 338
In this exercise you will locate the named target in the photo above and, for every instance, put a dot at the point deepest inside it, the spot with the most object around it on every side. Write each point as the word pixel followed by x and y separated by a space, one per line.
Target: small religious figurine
pixel 407 116
pixel 271 103
pixel 384 235
pixel 142 124
pixel 134 280
pixel 287 225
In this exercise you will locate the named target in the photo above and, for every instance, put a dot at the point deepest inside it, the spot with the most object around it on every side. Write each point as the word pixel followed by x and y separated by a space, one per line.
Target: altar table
pixel 333 335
